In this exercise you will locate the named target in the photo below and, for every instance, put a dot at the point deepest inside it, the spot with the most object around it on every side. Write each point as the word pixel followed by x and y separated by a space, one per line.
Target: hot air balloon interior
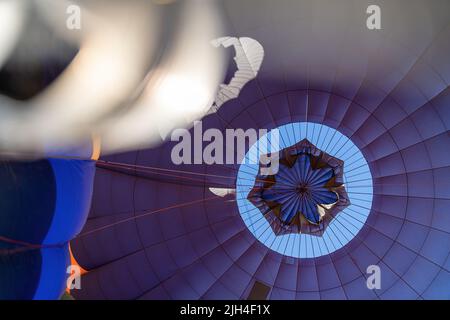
pixel 224 150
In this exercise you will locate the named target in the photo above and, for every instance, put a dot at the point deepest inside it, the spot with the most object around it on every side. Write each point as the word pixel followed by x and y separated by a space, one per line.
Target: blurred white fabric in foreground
pixel 142 69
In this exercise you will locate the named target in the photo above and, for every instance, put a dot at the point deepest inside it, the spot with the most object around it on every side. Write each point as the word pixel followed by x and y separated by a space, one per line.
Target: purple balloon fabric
pixel 387 91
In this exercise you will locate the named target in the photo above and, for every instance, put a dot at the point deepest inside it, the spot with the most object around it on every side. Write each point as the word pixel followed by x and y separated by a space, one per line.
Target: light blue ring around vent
pixel 347 224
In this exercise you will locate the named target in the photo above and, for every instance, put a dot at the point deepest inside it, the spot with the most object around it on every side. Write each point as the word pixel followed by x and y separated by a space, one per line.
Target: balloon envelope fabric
pixel 44 205
pixel 387 91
